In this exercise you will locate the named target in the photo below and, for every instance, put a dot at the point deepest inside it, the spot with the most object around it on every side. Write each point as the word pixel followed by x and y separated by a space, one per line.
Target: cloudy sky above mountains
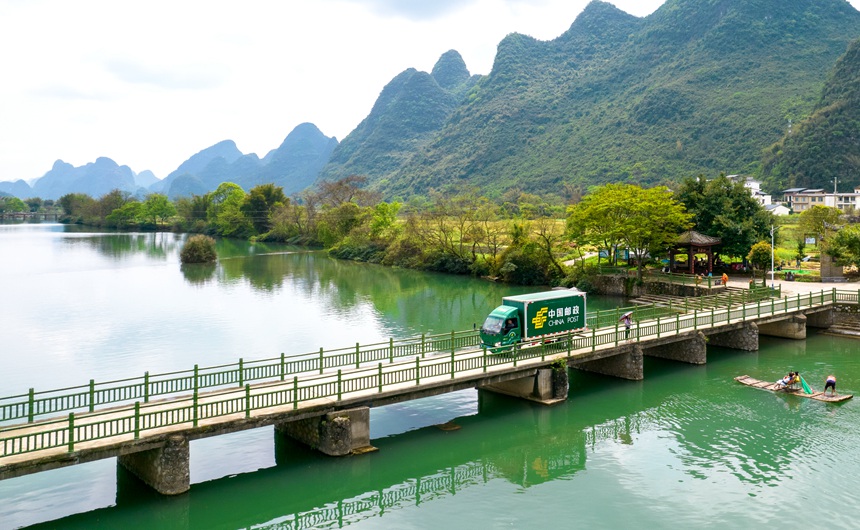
pixel 149 84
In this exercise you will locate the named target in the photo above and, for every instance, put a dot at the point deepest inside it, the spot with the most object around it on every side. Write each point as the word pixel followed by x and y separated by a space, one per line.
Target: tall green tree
pixel 643 220
pixel 820 221
pixel 654 223
pixel 725 209
pixel 844 246
pixel 260 203
pixel 158 207
pixel 760 255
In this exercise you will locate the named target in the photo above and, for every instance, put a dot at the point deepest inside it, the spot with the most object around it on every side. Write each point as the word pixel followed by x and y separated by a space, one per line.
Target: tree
pixel 260 203
pixel 645 220
pixel 725 209
pixel 844 247
pixel 820 221
pixel 224 213
pixel 760 257
pixel 126 215
pixel 158 206
pixel 12 204
pixel 598 219
pixel 655 220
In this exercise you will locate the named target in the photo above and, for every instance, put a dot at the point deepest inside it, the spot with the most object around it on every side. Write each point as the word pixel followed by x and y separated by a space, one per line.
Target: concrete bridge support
pixel 693 350
pixel 744 338
pixel 626 365
pixel 821 319
pixel 166 469
pixel 793 327
pixel 547 386
pixel 336 434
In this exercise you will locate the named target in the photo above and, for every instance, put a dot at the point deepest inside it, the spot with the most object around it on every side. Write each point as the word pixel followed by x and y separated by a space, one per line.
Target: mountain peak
pixel 450 70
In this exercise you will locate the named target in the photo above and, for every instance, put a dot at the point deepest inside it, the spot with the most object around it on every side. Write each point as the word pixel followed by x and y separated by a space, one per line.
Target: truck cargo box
pixel 549 312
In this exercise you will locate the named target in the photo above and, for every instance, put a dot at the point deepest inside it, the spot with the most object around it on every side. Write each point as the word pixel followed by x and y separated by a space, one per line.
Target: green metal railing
pixel 33 404
pixel 136 419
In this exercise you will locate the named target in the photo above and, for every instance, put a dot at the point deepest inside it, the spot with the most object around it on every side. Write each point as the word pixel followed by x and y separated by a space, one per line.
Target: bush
pixel 198 249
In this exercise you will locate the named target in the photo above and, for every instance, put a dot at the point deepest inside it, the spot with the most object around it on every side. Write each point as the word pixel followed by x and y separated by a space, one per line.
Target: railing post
pixel 194 412
pixel 339 385
pixel 569 344
pixel 713 322
pixel 322 361
pixel 241 372
pixel 31 405
pixel 452 343
pixel 71 431
pixel 677 323
pixel 744 312
pixel 146 387
pixel 295 392
pixel 616 332
pixel 417 371
pixel 379 375
pixel 658 326
pixel 136 420
pixel 357 355
pixel 452 363
pixel 422 345
pixel 283 367
pixel 92 394
pixel 593 339
pixel 196 377
pixel 484 348
pixel 638 330
pixel 543 350
pixel 391 350
pixel 247 401
pixel 758 308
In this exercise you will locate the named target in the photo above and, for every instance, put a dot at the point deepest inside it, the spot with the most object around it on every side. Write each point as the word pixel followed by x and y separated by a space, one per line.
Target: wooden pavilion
pixel 692 243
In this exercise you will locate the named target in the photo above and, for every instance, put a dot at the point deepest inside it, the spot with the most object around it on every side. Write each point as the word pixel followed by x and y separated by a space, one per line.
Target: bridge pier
pixel 546 386
pixel 336 434
pixel 626 365
pixel 793 327
pixel 693 350
pixel 744 338
pixel 166 469
pixel 821 319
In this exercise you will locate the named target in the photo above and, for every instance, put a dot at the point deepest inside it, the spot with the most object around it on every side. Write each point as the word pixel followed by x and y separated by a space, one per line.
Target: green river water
pixel 686 447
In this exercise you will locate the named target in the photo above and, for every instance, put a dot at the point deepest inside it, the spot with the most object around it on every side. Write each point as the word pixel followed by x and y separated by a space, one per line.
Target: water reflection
pixel 198 273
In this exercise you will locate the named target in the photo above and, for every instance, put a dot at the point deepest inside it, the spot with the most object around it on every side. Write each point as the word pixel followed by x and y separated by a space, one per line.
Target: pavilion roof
pixel 691 237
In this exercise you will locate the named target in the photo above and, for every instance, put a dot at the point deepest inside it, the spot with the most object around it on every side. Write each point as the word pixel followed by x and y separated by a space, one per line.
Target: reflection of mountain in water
pixel 414 300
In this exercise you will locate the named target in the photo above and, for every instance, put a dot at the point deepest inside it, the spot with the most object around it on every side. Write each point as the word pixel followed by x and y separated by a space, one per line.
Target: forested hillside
pixel 826 145
pixel 699 86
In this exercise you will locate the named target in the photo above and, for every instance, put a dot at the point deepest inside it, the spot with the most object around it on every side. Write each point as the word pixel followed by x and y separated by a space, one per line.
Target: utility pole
pixel 771 256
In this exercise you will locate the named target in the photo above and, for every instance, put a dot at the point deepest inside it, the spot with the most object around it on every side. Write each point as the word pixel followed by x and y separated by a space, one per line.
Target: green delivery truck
pixel 533 317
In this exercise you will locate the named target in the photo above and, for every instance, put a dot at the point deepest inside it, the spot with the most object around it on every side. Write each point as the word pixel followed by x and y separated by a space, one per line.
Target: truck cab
pixel 502 327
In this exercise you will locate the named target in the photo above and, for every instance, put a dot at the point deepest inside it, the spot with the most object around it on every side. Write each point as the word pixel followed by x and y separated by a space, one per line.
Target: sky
pixel 150 83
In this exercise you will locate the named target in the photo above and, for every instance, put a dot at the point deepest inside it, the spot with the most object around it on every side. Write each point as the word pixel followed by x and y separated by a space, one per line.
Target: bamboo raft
pixel 767 385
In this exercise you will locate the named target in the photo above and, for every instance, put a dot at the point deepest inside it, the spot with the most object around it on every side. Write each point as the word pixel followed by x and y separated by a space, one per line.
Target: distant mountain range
pixel 759 87
pixel 294 166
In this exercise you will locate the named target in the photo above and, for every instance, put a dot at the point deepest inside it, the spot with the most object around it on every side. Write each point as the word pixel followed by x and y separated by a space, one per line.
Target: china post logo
pixel 540 318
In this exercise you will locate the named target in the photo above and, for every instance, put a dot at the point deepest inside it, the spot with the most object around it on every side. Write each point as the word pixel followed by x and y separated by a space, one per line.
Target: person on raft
pixel 831 384
pixel 785 381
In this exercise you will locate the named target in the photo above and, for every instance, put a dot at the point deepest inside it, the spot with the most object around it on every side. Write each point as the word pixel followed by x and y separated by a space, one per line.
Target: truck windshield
pixel 493 325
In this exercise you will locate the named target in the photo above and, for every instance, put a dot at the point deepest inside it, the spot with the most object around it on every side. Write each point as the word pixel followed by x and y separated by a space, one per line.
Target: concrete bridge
pixel 328 409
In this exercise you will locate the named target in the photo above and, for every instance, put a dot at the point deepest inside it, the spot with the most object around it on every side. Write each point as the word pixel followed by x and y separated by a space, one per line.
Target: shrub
pixel 198 249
